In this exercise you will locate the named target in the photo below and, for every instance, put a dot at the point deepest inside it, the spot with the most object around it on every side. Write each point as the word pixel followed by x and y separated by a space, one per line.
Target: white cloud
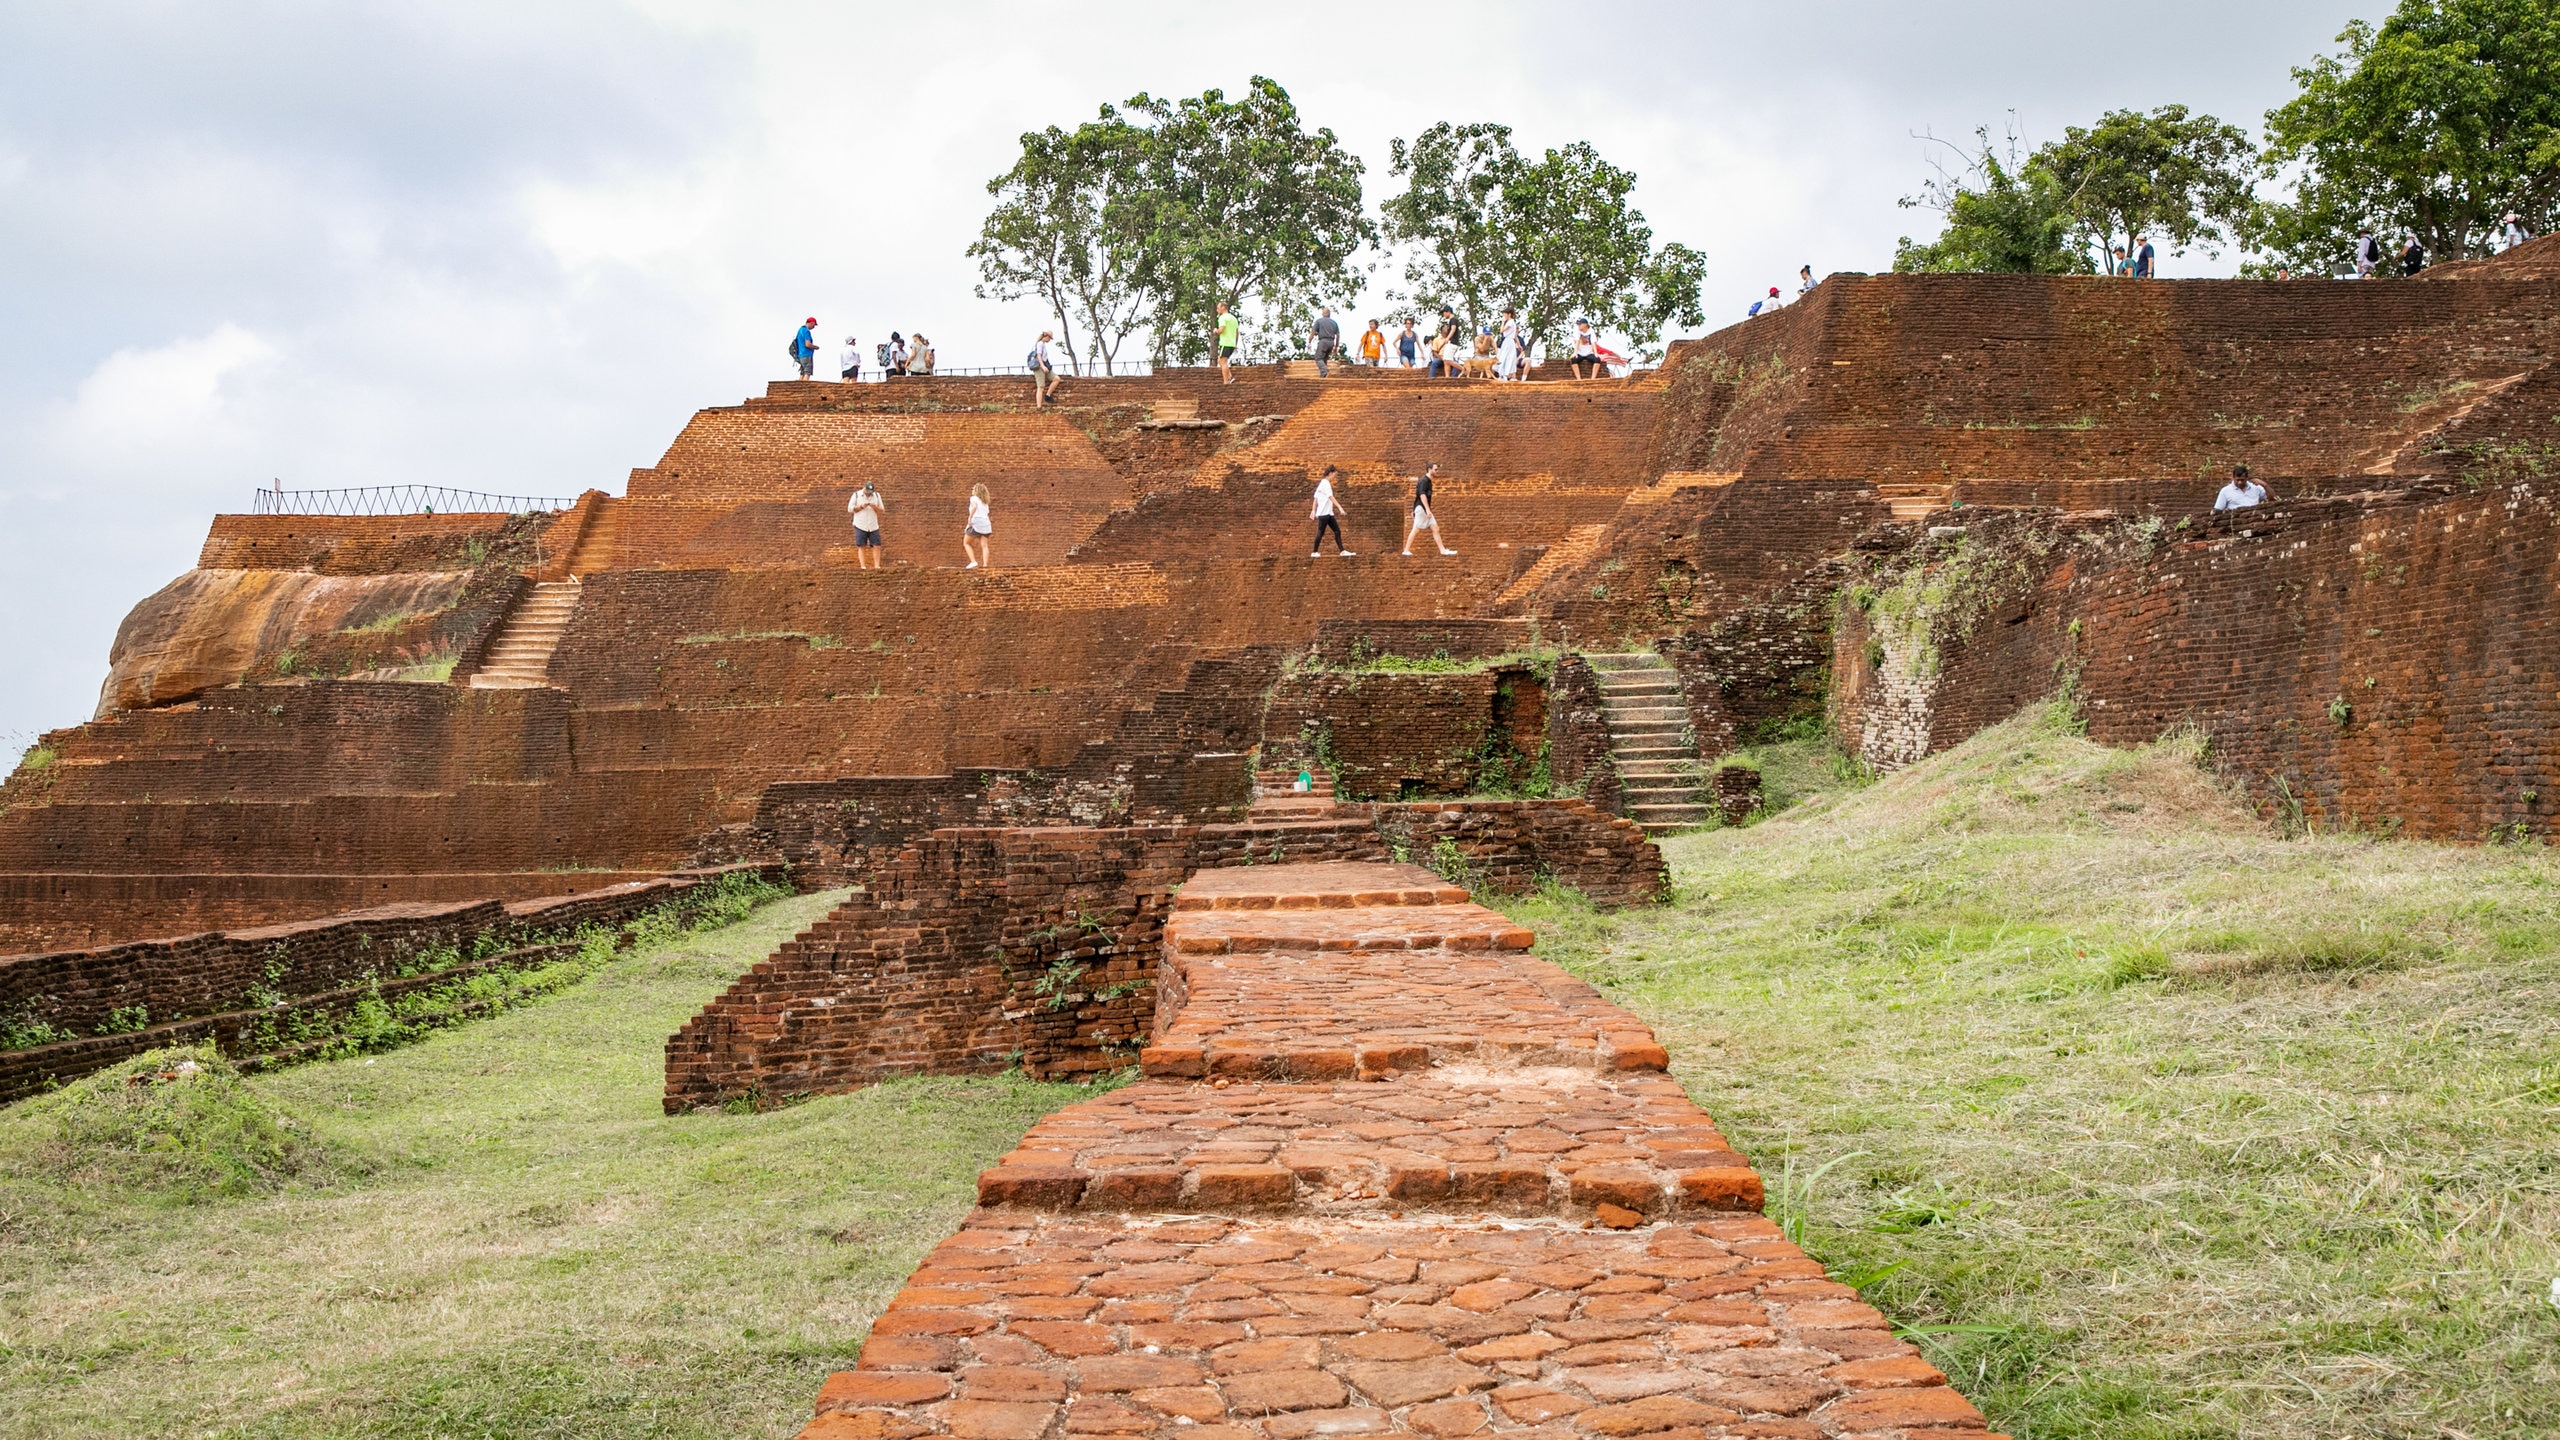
pixel 161 401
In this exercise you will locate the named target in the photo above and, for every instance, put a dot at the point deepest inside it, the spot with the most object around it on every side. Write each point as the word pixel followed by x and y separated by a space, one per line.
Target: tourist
pixel 2118 264
pixel 1507 350
pixel 1326 338
pixel 897 354
pixel 2512 232
pixel 1328 513
pixel 2143 259
pixel 2241 493
pixel 2368 253
pixel 2413 257
pixel 849 364
pixel 1226 343
pixel 978 536
pixel 1044 376
pixel 919 355
pixel 1373 345
pixel 804 347
pixel 1423 517
pixel 1445 344
pixel 1408 345
pixel 1767 305
pixel 867 507
pixel 1586 351
pixel 1805 281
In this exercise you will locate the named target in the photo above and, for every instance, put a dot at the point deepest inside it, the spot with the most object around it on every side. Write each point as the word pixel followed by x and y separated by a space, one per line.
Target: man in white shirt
pixel 1329 510
pixel 866 507
pixel 2241 493
pixel 849 364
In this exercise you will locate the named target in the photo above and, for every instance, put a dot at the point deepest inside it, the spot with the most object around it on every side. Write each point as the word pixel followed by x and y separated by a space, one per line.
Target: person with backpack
pixel 1423 516
pixel 1044 377
pixel 866 507
pixel 2413 258
pixel 804 347
pixel 2368 253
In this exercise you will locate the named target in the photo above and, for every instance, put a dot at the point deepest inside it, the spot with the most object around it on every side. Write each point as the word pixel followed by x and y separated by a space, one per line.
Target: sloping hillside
pixel 2156 1123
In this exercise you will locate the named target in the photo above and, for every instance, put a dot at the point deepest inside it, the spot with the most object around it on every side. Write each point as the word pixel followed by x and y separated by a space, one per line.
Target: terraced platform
pixel 1386 1175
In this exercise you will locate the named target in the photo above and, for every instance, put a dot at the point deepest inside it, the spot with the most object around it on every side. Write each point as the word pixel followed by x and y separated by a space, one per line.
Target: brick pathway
pixel 1384 1174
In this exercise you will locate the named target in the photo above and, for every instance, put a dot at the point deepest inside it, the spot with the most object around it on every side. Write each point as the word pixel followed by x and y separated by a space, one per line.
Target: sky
pixel 510 247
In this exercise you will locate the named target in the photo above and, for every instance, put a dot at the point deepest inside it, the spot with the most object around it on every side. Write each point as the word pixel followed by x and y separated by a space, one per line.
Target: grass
pixel 492 1232
pixel 2147 1122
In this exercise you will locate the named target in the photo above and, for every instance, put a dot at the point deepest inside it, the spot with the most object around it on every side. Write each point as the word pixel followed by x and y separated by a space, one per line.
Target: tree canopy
pixel 2435 124
pixel 2005 218
pixel 1047 237
pixel 2168 176
pixel 1554 238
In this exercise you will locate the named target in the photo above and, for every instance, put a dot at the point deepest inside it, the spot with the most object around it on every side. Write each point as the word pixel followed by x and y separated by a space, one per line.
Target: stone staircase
pixel 1915 500
pixel 1660 779
pixel 1276 796
pixel 520 657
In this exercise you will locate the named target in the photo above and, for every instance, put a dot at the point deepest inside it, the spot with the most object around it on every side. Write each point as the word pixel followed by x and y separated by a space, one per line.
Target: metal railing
pixel 1120 369
pixel 399 500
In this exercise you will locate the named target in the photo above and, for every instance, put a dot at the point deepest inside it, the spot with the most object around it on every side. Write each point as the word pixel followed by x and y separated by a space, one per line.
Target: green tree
pixel 2002 218
pixel 2436 124
pixel 2169 176
pixel 1047 237
pixel 1235 201
pixel 1553 238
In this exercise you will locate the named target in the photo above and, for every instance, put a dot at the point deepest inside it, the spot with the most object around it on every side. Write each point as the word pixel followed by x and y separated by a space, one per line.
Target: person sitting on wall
pixel 2242 493
pixel 867 507
pixel 1586 353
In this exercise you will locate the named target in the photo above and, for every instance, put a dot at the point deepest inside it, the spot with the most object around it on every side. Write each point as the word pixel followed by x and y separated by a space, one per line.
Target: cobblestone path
pixel 1384 1174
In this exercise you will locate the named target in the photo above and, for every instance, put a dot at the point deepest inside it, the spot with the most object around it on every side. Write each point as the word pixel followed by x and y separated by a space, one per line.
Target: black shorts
pixel 866 539
pixel 1226 352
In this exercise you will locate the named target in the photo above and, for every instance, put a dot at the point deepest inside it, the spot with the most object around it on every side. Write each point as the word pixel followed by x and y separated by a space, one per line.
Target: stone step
pixel 1612 688
pixel 1643 714
pixel 1634 770
pixel 1670 814
pixel 1627 662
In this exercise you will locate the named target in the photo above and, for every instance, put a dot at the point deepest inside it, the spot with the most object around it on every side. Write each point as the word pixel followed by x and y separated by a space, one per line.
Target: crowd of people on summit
pixel 1497 352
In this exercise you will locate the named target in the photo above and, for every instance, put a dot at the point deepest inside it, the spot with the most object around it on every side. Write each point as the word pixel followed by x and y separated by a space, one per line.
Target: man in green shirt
pixel 1226 342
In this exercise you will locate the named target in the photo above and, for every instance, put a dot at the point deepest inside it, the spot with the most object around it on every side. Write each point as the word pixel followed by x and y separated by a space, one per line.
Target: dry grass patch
pixel 2148 1122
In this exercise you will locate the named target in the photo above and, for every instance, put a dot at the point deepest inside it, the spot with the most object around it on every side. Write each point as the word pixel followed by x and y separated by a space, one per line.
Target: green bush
pixel 179 1125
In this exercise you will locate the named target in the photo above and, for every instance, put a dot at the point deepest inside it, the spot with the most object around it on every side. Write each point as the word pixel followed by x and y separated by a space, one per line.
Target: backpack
pixel 880 353
pixel 1754 310
pixel 793 349
pixel 1031 360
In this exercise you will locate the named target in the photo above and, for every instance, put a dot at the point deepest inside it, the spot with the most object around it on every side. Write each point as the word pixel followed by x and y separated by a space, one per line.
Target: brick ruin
pixel 1902 507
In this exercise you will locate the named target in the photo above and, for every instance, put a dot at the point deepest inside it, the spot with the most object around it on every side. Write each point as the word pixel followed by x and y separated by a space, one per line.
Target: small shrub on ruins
pixel 25 1029
pixel 126 1020
pixel 176 1125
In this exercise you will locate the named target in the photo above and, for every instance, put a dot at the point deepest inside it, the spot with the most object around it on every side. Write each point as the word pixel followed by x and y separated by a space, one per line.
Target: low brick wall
pixel 217 986
pixel 975 950
pixel 1578 735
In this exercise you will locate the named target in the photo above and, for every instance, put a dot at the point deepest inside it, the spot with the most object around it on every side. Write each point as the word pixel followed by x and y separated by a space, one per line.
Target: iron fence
pixel 400 500
pixel 1120 369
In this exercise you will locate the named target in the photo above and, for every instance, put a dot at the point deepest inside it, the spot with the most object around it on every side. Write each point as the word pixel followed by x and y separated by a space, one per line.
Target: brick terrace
pixel 1508 1246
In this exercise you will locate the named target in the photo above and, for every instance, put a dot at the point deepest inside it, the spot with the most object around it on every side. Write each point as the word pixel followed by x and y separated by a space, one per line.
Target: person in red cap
pixel 804 347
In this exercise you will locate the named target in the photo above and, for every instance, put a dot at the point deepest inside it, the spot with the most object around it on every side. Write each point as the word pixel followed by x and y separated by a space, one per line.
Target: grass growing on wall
pixel 492 1232
pixel 2148 1122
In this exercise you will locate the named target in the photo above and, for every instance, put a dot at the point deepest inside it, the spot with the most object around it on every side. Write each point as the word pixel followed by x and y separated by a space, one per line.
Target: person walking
pixel 1328 515
pixel 2143 259
pixel 978 536
pixel 920 355
pixel 1326 338
pixel 2242 493
pixel 2368 253
pixel 1586 352
pixel 804 347
pixel 1423 516
pixel 1044 376
pixel 1373 345
pixel 1408 345
pixel 867 507
pixel 849 364
pixel 1226 343
pixel 2413 257
pixel 1510 356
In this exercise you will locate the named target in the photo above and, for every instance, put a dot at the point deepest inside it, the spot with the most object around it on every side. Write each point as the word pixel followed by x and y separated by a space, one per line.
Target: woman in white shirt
pixel 977 537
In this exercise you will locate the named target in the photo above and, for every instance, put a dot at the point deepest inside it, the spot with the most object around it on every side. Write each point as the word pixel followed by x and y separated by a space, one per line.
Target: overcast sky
pixel 512 246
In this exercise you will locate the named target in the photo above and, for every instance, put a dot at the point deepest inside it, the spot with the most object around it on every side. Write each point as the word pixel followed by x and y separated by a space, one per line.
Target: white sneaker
pixel 972 565
pixel 1345 555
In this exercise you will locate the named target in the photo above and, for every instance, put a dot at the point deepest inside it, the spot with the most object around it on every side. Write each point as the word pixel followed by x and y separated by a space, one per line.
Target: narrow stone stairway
pixel 1276 796
pixel 1660 779
pixel 520 657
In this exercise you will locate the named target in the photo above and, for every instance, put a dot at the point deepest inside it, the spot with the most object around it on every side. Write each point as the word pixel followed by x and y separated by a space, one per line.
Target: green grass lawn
pixel 2151 1123
pixel 494 1232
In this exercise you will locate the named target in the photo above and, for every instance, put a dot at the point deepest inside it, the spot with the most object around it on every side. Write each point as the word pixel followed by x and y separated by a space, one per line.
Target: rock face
pixel 210 628
pixel 1386 1175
